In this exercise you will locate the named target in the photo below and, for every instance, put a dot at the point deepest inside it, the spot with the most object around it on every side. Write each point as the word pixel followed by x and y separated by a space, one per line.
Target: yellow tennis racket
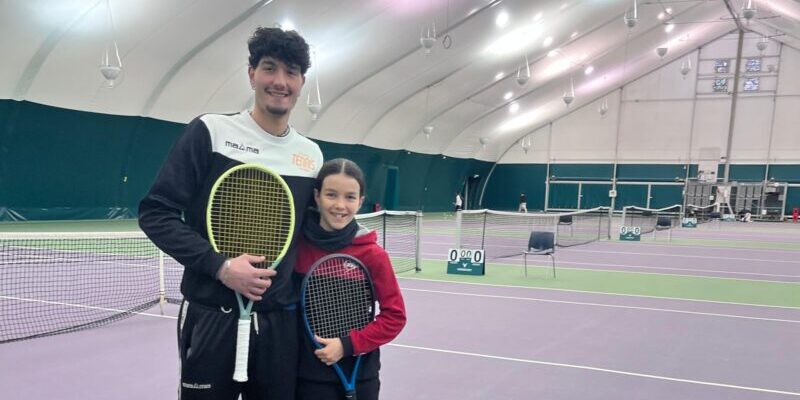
pixel 250 211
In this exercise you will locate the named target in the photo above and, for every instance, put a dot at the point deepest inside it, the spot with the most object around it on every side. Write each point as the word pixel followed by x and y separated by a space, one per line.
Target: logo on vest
pixel 242 147
pixel 303 162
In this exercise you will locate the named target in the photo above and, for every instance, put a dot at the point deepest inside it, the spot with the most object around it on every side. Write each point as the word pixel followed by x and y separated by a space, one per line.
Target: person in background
pixel 523 203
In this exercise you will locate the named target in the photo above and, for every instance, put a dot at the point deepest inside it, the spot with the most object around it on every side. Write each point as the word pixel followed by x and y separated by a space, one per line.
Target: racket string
pixel 338 299
pixel 251 214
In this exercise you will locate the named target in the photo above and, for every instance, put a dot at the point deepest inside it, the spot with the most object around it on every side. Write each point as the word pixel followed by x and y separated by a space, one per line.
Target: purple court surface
pixel 477 341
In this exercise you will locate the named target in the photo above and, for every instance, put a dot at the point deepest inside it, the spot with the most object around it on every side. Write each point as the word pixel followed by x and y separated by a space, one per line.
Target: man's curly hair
pixel 286 46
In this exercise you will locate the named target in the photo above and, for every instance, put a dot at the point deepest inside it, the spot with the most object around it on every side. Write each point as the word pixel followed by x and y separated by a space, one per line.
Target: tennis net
pixel 651 219
pixel 505 234
pixel 60 282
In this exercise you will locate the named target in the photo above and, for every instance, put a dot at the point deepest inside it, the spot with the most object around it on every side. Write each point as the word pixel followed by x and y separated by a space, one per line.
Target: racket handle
pixel 350 395
pixel 242 351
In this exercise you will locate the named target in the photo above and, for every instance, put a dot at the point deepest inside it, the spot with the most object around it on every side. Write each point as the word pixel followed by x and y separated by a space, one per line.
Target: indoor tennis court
pixel 579 200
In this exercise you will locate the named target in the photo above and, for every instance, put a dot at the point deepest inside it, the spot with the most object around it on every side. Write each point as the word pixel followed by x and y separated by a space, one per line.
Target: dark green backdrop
pixel 65 164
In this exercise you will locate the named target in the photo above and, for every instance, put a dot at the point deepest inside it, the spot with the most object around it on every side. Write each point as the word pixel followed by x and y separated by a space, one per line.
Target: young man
pixel 173 216
pixel 523 203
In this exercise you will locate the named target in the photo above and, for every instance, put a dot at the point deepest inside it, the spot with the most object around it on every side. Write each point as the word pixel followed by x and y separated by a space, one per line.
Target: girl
pixel 339 194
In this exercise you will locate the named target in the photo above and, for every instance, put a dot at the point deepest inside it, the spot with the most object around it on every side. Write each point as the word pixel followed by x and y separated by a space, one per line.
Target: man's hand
pixel 245 279
pixel 331 351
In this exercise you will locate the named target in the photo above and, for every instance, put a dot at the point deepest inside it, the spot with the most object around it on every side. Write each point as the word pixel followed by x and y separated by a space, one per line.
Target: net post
pixel 161 287
pixel 458 229
pixel 417 250
pixel 483 233
pixel 385 215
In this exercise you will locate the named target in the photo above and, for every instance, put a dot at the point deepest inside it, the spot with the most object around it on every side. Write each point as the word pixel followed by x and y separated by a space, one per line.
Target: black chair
pixel 565 220
pixel 663 223
pixel 540 244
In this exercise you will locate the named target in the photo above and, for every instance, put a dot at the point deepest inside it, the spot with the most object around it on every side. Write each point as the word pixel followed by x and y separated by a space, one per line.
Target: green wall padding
pixel 651 172
pixel 595 195
pixel 509 180
pixel 57 163
pixel 563 195
pixel 747 173
pixel 631 195
pixel 785 173
pixel 665 195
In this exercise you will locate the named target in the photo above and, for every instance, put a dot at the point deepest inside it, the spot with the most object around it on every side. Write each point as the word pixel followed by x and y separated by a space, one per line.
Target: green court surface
pixel 103 225
pixel 627 283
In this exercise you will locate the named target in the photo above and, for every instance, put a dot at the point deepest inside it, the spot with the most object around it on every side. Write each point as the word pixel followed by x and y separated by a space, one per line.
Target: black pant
pixel 207 345
pixel 312 390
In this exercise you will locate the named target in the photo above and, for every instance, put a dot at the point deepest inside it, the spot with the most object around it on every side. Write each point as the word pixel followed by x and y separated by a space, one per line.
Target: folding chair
pixel 540 244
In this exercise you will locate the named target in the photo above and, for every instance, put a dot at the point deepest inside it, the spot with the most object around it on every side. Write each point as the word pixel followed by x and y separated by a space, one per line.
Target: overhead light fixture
pixel 589 70
pixel 428 128
pixel 669 27
pixel 552 53
pixel 537 17
pixel 661 51
pixel 483 140
pixel 603 108
pixel 631 16
pixel 686 66
pixel 110 62
pixel 508 95
pixel 502 19
pixel 547 41
pixel 569 96
pixel 427 38
pixel 524 76
pixel 525 143
pixel 513 107
pixel 287 25
pixel 762 44
pixel 314 104
pixel 574 35
pixel 749 10
pixel 498 76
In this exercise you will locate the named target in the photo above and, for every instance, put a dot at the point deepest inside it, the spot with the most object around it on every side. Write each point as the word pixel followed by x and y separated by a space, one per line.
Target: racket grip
pixel 242 351
pixel 350 395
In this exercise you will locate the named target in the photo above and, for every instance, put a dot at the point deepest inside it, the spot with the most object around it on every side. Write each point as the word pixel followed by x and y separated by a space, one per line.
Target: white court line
pixel 673 247
pixel 600 293
pixel 84 306
pixel 603 305
pixel 620 266
pixel 596 369
pixel 684 256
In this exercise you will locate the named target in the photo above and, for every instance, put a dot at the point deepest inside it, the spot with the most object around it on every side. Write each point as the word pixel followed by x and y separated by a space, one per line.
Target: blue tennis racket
pixel 337 298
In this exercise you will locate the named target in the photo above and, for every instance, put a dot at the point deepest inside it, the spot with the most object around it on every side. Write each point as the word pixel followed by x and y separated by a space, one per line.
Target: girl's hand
pixel 331 351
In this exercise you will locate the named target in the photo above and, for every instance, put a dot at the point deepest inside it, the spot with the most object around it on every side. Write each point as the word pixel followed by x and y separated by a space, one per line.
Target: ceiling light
pixel 427 38
pixel 589 70
pixel 513 107
pixel 669 28
pixel 661 51
pixel 508 95
pixel 631 16
pixel 574 35
pixel 749 10
pixel 498 76
pixel 547 41
pixel 553 53
pixel 502 19
pixel 537 17
pixel 287 25
pixel 484 140
pixel 603 109
pixel 686 66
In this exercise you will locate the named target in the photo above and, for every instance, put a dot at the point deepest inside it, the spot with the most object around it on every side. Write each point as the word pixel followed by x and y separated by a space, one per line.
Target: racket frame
pixel 243 324
pixel 348 384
